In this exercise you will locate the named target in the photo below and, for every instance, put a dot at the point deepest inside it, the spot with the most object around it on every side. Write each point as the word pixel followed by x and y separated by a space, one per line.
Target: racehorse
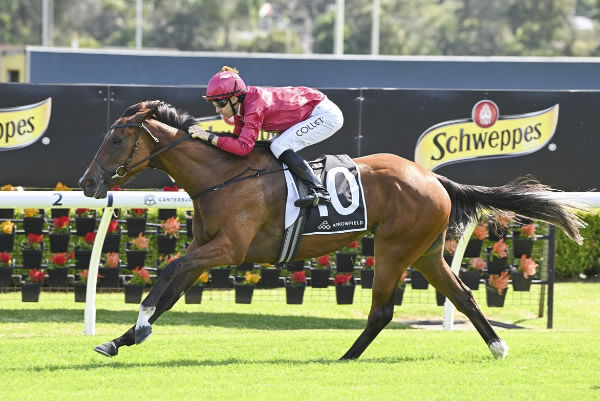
pixel 239 211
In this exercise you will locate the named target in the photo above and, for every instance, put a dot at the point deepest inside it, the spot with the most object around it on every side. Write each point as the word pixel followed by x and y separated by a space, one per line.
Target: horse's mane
pixel 164 112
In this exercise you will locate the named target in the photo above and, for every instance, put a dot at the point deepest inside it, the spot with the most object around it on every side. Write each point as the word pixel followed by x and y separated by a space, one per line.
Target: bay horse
pixel 239 207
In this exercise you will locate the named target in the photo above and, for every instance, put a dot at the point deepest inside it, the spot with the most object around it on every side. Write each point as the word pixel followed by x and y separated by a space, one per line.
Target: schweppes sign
pixel 485 135
pixel 23 125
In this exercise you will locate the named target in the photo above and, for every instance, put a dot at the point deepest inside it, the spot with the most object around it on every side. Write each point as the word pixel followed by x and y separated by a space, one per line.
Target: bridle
pixel 124 168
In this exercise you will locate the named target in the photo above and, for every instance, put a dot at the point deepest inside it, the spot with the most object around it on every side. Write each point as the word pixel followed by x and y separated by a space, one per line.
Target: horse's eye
pixel 116 140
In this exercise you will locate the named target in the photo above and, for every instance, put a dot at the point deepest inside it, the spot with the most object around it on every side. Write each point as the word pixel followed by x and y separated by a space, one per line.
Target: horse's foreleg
pixel 166 302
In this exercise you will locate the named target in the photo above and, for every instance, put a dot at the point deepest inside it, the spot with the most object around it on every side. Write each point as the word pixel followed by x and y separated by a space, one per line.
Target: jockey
pixel 303 116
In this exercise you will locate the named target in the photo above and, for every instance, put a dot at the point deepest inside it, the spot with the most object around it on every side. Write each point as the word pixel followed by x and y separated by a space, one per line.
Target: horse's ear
pixel 141 117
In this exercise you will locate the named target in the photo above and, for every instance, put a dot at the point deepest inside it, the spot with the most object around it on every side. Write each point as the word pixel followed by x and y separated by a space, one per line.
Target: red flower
pixel 342 279
pixel 140 275
pixel 116 188
pixel 33 239
pixel 113 226
pixel 61 222
pixel 370 262
pixel 138 212
pixel 89 238
pixel 36 276
pixel 173 188
pixel 5 258
pixel 298 277
pixel 81 211
pixel 71 255
pixel 323 261
pixel 59 258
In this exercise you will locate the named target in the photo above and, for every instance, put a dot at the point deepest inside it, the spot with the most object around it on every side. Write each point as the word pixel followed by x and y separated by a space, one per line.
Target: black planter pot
pixel 496 232
pixel 367 246
pixel 194 294
pixel 59 212
pixel 6 276
pixel 398 295
pixel 366 278
pixel 522 246
pixel 269 278
pixel 344 294
pixel 519 282
pixel 319 278
pixel 7 242
pixel 133 293
pixel 32 258
pixel 164 214
pixel 496 265
pixel 166 244
pixel 473 248
pixel 470 278
pixel 440 299
pixel 57 277
pixel 494 299
pixel 243 293
pixel 80 289
pixel 82 258
pixel 112 243
pixel 296 266
pixel 418 281
pixel 294 294
pixel 219 278
pixel 135 258
pixel 59 242
pixel 84 225
pixel 7 214
pixel 344 262
pixel 135 226
pixel 110 277
pixel 188 227
pixel 30 292
pixel 33 225
pixel 245 266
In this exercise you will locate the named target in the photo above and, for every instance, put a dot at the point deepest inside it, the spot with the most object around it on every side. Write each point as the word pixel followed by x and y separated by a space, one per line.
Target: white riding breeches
pixel 325 120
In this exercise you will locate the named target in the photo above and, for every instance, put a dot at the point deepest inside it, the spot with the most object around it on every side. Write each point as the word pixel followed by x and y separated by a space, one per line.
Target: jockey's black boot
pixel 316 191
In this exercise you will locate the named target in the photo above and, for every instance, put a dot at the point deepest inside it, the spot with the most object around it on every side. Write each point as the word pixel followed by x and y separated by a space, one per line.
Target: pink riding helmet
pixel 224 84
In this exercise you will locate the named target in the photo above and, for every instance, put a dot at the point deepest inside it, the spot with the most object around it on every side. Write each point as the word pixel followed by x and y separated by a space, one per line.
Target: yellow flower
pixel 61 187
pixel 7 187
pixel 31 212
pixel 7 227
pixel 203 277
pixel 252 278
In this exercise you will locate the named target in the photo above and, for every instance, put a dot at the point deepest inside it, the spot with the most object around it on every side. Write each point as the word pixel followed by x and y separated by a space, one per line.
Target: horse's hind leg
pixel 438 273
pixel 166 302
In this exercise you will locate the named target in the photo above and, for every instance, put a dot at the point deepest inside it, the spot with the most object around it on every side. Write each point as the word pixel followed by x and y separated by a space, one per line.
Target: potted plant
pixel 473 249
pixel 112 241
pixel 367 244
pixel 269 276
pixel 136 221
pixel 134 289
pixel 109 271
pixel 189 218
pixel 136 252
pixel 367 273
pixel 345 258
pixel 417 280
pixel 295 286
pixel 470 274
pixel 320 272
pixel 7 236
pixel 498 257
pixel 523 240
pixel 32 250
pixel 399 291
pixel 57 269
pixel 220 277
pixel 165 214
pixel 85 221
pixel 245 290
pixel 33 220
pixel 344 288
pixel 496 289
pixel 80 287
pixel 83 250
pixel 60 212
pixel 30 289
pixel 60 234
pixel 6 269
pixel 194 294
pixel 521 278
pixel 167 241
pixel 7 213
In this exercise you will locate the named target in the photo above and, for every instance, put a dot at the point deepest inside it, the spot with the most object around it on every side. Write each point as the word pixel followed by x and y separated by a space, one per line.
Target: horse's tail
pixel 525 196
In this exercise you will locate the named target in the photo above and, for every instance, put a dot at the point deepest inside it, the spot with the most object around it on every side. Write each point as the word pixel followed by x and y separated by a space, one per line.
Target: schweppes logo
pixel 217 124
pixel 23 125
pixel 485 135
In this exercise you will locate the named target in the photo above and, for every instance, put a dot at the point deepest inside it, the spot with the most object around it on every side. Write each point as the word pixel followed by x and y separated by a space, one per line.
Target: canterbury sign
pixel 485 135
pixel 23 125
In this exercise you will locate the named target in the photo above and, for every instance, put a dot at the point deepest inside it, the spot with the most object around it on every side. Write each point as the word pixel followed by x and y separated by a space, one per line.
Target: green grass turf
pixel 268 350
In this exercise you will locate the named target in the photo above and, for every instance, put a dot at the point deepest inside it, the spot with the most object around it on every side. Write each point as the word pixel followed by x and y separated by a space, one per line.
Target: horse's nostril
pixel 85 183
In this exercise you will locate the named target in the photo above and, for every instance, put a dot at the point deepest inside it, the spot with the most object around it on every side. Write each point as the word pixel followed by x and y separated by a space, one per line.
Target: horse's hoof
pixel 499 349
pixel 142 333
pixel 108 349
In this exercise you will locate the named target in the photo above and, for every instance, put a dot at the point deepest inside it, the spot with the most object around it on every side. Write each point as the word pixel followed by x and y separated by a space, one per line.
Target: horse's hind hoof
pixel 142 333
pixel 108 349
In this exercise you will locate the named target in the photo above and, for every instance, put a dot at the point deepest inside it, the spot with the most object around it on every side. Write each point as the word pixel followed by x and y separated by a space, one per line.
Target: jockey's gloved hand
pixel 198 133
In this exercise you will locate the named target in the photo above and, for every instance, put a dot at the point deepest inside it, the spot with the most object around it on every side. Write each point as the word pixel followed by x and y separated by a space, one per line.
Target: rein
pixel 122 170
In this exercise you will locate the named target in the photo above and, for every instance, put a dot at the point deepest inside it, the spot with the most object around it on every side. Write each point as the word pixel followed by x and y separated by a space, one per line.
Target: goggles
pixel 220 103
